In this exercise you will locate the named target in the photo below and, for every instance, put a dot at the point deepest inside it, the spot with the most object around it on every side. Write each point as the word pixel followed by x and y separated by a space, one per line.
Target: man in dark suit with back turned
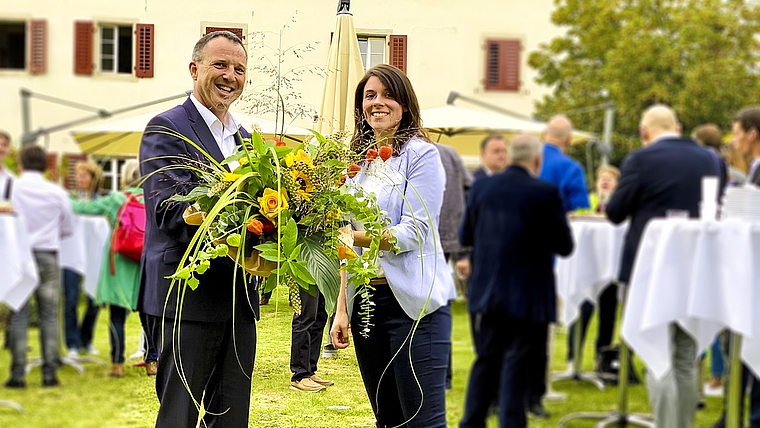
pixel 515 224
pixel 216 355
pixel 666 174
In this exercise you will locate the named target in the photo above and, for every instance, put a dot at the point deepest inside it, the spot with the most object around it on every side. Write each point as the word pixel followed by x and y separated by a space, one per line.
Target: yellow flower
pixel 304 185
pixel 300 156
pixel 272 203
pixel 231 177
pixel 333 214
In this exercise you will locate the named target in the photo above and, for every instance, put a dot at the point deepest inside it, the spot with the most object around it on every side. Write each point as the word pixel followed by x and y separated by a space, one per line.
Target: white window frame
pixel 367 56
pixel 115 41
pixel 114 173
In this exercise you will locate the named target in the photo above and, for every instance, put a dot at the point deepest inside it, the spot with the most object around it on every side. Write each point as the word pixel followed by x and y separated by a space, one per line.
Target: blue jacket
pixel 567 174
pixel 515 224
pixel 666 175
pixel 411 190
pixel 167 236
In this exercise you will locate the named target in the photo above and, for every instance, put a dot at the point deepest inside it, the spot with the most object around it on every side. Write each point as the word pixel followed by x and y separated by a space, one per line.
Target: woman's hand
pixel 339 330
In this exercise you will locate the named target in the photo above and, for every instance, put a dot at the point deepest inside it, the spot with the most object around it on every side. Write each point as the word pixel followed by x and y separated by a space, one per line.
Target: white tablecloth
pixel 593 264
pixel 704 275
pixel 18 269
pixel 83 250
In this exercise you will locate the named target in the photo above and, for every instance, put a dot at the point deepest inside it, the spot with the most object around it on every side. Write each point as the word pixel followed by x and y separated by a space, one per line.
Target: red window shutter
pixel 503 65
pixel 398 52
pixel 236 31
pixel 70 161
pixel 144 52
pixel 83 32
pixel 38 46
pixel 52 167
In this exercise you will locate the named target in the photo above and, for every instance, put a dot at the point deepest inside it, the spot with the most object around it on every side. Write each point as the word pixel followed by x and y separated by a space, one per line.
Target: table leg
pixel 551 394
pixel 577 374
pixel 735 369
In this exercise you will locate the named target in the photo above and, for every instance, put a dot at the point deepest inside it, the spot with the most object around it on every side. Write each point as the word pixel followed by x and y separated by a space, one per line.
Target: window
pixel 12 45
pixel 111 174
pixel 113 48
pixel 234 30
pixel 372 50
pixel 502 71
pixel 116 49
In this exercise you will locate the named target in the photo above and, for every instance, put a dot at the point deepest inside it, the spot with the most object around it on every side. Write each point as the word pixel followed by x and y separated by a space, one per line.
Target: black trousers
pixel 502 368
pixel 307 330
pixel 537 366
pixel 395 394
pixel 211 355
pixel 607 314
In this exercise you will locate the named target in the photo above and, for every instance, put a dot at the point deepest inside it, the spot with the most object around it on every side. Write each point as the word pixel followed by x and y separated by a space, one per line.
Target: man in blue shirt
pixel 567 174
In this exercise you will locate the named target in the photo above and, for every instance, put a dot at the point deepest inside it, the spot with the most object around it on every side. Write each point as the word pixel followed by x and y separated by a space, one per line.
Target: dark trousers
pixel 118 317
pixel 502 369
pixel 217 362
pixel 152 331
pixel 307 330
pixel 754 395
pixel 607 312
pixel 395 395
pixel 77 336
pixel 537 366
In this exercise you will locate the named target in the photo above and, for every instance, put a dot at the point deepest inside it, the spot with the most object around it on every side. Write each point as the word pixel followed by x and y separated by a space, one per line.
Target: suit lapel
pixel 204 137
pixel 755 179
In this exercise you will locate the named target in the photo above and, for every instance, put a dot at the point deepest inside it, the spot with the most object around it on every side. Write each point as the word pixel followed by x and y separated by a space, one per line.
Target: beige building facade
pixel 109 55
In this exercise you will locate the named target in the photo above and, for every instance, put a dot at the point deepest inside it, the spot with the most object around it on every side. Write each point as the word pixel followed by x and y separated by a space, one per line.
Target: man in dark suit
pixel 203 347
pixel 515 224
pixel 666 174
pixel 493 157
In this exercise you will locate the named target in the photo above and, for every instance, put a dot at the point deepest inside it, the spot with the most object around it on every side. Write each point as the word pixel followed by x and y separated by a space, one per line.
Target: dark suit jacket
pixel 515 224
pixel 479 174
pixel 664 176
pixel 167 236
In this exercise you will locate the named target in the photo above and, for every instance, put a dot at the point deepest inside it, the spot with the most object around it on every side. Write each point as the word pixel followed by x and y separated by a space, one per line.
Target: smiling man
pixel 213 354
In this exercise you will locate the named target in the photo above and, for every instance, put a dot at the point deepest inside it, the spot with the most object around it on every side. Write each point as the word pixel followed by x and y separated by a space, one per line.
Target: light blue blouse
pixel 419 269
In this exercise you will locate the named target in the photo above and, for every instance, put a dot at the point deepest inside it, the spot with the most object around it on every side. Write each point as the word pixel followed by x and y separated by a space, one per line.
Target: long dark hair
pixel 396 82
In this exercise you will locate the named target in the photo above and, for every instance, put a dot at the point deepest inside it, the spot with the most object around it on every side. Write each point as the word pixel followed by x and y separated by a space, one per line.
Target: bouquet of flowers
pixel 283 214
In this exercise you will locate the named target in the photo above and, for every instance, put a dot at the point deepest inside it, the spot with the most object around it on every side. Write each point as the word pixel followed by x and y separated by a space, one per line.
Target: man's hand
pixel 463 267
pixel 339 331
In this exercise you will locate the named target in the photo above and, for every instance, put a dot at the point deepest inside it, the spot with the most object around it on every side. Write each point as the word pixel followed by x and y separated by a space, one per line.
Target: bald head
pixel 559 132
pixel 526 150
pixel 657 120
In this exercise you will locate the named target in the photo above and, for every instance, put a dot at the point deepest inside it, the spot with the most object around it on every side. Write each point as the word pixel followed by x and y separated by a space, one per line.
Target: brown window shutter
pixel 52 167
pixel 83 35
pixel 503 65
pixel 70 162
pixel 38 46
pixel 236 31
pixel 398 52
pixel 144 51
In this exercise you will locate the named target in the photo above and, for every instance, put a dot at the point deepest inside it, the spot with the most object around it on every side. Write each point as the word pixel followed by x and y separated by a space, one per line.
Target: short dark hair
pixel 398 84
pixel 708 135
pixel 484 143
pixel 203 41
pixel 33 158
pixel 748 118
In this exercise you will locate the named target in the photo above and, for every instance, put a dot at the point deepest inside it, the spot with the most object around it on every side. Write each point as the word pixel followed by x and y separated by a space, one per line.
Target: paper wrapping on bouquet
pixel 253 264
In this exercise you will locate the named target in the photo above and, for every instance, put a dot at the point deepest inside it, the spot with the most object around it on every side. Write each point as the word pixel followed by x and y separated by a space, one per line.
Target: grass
pixel 94 400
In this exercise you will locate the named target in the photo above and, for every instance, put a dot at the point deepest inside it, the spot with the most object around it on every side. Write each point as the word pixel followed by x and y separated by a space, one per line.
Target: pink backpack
pixel 129 235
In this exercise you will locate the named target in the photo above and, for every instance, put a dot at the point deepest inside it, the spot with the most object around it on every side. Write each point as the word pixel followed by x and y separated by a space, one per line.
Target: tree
pixel 698 56
pixel 278 92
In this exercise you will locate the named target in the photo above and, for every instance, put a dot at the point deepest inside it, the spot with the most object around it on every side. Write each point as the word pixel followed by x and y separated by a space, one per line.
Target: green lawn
pixel 94 400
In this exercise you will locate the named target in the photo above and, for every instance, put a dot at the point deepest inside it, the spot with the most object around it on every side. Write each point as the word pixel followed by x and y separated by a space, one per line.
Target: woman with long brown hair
pixel 403 364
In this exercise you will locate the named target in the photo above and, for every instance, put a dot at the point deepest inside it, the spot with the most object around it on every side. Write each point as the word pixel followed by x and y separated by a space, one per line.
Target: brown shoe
pixel 117 370
pixel 321 381
pixel 264 301
pixel 151 368
pixel 307 385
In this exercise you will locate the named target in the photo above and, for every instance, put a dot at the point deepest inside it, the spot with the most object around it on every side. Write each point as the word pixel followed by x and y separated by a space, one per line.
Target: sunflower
pixel 304 186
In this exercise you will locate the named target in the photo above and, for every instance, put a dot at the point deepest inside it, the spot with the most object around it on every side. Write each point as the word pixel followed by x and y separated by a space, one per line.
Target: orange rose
pixel 255 226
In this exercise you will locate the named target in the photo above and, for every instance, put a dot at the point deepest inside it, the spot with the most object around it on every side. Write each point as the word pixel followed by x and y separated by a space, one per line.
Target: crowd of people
pixel 500 227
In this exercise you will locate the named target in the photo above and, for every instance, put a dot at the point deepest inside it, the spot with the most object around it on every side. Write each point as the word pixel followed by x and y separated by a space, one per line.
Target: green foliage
pixel 698 56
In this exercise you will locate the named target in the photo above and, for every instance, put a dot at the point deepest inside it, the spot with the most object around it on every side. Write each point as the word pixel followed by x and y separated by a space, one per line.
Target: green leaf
pixel 296 252
pixel 203 267
pixel 300 271
pixel 194 194
pixel 193 283
pixel 289 237
pixel 222 250
pixel 324 269
pixel 257 142
pixel 233 240
pixel 183 273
